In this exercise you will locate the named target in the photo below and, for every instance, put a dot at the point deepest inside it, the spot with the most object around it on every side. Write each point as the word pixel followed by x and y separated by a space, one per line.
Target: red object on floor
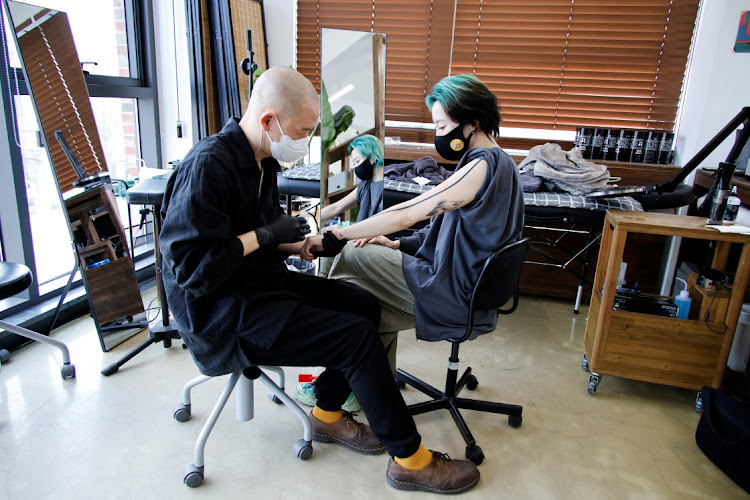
pixel 306 377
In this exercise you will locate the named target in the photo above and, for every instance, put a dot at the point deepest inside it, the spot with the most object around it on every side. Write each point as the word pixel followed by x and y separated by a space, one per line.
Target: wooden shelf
pixel 680 352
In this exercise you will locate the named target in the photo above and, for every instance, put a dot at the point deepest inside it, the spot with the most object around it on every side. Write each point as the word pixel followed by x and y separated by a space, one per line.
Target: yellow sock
pixel 419 460
pixel 327 416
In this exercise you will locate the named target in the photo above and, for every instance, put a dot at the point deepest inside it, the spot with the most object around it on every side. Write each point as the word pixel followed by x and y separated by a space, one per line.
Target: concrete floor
pixel 114 437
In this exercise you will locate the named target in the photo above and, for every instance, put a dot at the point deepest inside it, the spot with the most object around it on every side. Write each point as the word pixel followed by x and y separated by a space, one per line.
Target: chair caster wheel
pixel 68 371
pixel 4 355
pixel 474 454
pixel 400 384
pixel 585 363
pixel 515 421
pixel 593 383
pixel 193 476
pixel 471 382
pixel 273 397
pixel 303 449
pixel 182 412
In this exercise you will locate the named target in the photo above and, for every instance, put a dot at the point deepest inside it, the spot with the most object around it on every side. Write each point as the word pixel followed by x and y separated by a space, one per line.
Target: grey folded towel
pixel 567 171
pixel 425 166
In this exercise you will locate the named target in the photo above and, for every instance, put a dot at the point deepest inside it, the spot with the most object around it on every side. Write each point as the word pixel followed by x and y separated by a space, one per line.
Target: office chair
pixel 243 380
pixel 497 283
pixel 14 279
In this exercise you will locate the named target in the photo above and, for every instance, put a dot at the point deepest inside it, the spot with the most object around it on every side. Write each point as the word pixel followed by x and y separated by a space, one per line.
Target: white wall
pixel 718 85
pixel 173 80
pixel 281 31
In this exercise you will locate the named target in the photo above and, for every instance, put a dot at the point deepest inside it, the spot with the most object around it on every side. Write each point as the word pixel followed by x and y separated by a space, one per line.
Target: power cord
pixel 705 316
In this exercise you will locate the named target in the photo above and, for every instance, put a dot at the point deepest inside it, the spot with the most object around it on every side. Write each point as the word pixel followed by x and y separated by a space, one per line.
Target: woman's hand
pixel 377 240
pixel 311 244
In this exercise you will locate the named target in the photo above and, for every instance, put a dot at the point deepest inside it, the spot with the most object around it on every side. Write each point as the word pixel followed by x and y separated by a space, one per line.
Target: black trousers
pixel 336 327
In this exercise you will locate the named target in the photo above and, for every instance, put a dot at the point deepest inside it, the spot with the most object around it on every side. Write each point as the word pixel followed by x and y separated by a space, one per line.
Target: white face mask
pixel 288 150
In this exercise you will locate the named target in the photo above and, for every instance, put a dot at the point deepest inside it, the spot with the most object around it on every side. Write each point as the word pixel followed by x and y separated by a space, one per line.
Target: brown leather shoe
pixel 347 431
pixel 442 475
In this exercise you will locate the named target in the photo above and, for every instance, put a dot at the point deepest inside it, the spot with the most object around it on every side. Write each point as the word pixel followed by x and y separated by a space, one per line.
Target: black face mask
pixel 453 145
pixel 364 170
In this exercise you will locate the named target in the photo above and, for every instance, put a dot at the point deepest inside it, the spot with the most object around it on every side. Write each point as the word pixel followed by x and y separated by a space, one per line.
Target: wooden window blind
pixel 554 64
pixel 561 64
pixel 60 92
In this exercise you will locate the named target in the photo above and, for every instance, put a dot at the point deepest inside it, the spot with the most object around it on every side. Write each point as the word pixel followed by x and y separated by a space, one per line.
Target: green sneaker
pixel 305 394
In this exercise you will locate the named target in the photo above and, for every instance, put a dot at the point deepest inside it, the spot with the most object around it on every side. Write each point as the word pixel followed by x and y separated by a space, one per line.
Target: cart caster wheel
pixel 474 454
pixel 471 382
pixel 68 371
pixel 585 363
pixel 193 476
pixel 303 449
pixel 593 383
pixel 273 397
pixel 4 355
pixel 698 403
pixel 182 412
pixel 515 421
pixel 400 384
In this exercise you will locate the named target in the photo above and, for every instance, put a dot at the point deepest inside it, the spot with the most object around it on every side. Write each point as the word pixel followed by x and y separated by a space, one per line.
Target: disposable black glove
pixel 331 245
pixel 285 229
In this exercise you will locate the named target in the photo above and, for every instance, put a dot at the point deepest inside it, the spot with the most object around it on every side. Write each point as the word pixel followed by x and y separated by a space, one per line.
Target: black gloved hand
pixel 331 245
pixel 285 229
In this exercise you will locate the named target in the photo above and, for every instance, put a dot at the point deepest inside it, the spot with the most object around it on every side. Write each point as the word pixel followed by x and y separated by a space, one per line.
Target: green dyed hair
pixel 467 99
pixel 370 147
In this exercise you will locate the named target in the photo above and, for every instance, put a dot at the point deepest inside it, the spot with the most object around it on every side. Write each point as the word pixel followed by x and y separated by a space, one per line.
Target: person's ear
pixel 266 118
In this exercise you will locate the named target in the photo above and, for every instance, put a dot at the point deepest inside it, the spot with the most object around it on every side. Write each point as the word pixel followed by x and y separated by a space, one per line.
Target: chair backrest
pixel 498 281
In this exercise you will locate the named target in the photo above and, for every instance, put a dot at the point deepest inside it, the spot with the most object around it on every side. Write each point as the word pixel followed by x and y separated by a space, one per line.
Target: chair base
pixel 450 401
pixel 243 383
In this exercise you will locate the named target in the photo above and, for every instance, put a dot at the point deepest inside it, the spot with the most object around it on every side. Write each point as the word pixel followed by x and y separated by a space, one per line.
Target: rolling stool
pixel 243 380
pixel 14 279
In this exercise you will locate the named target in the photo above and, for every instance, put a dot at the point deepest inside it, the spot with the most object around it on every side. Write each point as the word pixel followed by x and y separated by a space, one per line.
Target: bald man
pixel 224 241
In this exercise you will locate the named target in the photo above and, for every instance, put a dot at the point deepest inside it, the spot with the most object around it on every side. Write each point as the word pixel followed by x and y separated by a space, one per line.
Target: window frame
pixel 15 227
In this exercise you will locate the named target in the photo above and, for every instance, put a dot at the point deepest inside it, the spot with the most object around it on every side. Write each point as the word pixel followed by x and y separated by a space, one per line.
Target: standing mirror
pixel 352 103
pixel 40 43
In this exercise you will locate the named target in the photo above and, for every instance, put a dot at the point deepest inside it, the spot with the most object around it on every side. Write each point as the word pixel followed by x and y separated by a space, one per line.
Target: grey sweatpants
pixel 378 269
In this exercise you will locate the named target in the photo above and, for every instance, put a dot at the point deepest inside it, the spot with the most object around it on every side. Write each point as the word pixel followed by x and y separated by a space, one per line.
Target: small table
pixel 678 352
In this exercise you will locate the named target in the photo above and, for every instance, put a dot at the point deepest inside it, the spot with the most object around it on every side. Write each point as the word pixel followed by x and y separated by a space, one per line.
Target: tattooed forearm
pixel 442 207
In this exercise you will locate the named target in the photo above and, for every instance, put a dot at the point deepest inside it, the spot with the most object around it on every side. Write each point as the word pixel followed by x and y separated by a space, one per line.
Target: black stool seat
pixel 147 192
pixel 14 278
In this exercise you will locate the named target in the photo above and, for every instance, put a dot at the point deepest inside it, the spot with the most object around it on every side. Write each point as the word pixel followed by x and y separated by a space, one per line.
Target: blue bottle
pixel 682 301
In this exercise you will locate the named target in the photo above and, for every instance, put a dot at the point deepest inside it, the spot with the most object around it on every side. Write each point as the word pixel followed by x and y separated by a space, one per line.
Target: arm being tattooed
pixel 458 190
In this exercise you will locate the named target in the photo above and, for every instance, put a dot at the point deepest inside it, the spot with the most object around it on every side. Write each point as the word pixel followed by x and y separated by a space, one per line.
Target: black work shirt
pixel 215 294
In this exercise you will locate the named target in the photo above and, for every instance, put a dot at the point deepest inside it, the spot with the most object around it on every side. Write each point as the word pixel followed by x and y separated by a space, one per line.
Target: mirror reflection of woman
pixel 366 157
pixel 425 280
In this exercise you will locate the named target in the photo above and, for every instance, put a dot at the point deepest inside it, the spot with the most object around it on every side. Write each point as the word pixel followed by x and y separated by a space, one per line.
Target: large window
pixel 114 41
pixel 554 64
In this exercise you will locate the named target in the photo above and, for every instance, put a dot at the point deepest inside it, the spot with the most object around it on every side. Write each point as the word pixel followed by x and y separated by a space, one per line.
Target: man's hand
pixel 285 229
pixel 377 240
